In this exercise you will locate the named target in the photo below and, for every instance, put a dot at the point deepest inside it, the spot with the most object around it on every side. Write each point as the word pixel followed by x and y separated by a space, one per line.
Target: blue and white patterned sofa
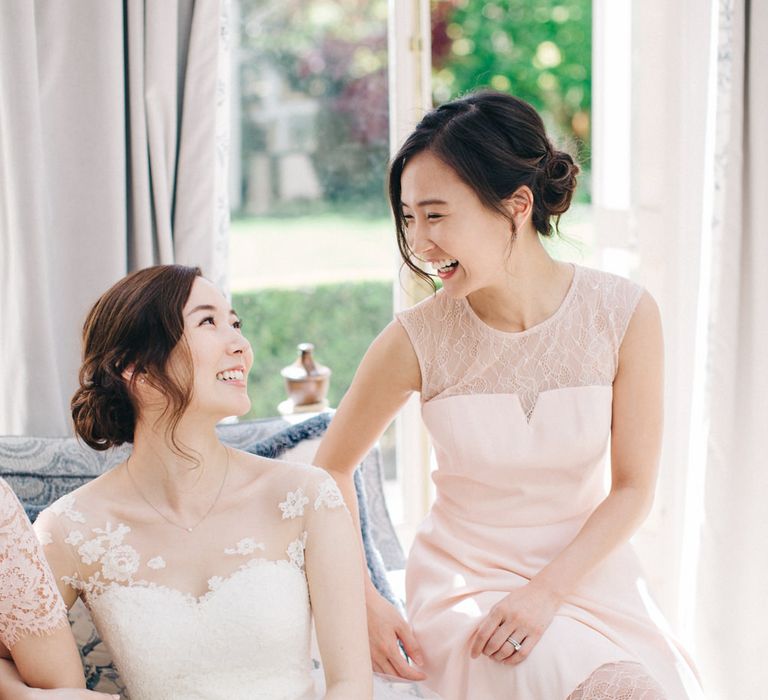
pixel 41 469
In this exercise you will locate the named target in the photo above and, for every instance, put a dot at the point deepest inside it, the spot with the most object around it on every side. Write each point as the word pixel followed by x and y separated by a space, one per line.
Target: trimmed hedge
pixel 341 320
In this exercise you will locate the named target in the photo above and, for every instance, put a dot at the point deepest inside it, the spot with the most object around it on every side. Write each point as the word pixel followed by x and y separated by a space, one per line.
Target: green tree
pixel 538 50
pixel 333 53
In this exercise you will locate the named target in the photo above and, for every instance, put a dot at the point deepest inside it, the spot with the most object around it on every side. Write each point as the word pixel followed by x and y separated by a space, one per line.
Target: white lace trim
pixel 293 505
pixel 295 551
pixel 246 546
pixel 577 346
pixel 625 680
pixel 30 603
pixel 96 590
pixel 329 496
pixel 44 538
pixel 66 506
pixel 119 562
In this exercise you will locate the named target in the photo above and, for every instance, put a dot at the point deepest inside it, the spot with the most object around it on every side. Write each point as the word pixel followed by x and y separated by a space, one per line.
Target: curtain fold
pixel 111 146
pixel 731 606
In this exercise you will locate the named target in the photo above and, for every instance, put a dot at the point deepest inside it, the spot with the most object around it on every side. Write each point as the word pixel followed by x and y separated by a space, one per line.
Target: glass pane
pixel 311 246
pixel 311 229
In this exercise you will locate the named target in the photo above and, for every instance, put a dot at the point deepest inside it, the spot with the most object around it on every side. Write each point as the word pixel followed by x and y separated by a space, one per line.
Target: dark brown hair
pixel 136 325
pixel 495 143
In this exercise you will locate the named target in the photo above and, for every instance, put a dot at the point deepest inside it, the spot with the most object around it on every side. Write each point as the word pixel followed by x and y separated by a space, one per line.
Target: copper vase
pixel 306 381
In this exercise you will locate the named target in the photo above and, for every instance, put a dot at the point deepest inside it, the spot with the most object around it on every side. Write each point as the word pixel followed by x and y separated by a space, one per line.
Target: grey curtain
pixel 731 603
pixel 113 156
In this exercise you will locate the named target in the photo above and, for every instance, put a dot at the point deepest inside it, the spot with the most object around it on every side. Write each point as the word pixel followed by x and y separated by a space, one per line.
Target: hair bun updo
pixel 102 410
pixel 557 182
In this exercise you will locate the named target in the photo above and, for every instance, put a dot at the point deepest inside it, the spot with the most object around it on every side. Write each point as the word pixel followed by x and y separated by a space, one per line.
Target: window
pixel 312 256
pixel 324 91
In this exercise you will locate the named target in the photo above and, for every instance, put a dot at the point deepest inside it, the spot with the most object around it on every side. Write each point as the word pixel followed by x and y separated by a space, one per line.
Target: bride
pixel 198 562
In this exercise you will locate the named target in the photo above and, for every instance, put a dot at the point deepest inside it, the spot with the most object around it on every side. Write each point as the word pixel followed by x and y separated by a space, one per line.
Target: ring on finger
pixel 516 645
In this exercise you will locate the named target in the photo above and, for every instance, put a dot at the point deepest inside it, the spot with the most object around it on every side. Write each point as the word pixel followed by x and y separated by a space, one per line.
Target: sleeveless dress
pixel 520 424
pixel 30 603
pixel 248 635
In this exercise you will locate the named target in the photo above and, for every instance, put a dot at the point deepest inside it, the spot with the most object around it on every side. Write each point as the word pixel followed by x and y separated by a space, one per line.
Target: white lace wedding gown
pixel 245 633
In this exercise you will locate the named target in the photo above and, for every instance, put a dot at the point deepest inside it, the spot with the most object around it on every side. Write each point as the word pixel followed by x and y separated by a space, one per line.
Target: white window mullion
pixel 410 96
pixel 611 132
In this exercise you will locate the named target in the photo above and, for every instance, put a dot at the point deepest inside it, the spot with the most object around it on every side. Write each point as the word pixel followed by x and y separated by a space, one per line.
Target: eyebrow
pixel 425 202
pixel 209 307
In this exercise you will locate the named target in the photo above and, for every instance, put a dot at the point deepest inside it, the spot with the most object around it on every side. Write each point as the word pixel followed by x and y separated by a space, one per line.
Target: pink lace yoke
pixel 577 346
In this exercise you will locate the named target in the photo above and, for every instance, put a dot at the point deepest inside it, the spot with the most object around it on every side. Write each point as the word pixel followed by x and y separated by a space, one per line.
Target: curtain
pixel 731 606
pixel 113 156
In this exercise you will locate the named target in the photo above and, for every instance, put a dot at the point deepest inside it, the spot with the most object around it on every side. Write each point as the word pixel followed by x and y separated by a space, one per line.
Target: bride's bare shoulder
pixel 253 471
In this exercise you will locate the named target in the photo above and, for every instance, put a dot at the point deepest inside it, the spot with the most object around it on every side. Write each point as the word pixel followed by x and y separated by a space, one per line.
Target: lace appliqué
pixel 293 505
pixel 214 583
pixel 30 603
pixel 625 680
pixel 75 538
pixel 245 546
pixel 577 346
pixel 118 561
pixel 295 551
pixel 329 495
pixel 66 506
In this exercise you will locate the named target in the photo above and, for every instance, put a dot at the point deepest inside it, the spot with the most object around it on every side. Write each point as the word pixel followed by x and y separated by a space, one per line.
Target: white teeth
pixel 443 265
pixel 236 374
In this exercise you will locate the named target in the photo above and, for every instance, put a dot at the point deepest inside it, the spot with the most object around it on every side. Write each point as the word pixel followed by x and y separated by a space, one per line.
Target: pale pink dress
pixel 520 424
pixel 30 603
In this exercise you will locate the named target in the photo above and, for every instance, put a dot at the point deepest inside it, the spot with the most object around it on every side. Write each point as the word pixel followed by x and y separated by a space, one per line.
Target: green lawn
pixel 278 252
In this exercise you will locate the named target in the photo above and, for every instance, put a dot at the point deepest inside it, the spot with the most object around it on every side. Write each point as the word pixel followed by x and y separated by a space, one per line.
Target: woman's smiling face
pixel 221 355
pixel 448 226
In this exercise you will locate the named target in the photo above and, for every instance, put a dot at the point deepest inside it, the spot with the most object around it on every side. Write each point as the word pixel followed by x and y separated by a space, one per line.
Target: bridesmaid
pixel 537 378
pixel 33 620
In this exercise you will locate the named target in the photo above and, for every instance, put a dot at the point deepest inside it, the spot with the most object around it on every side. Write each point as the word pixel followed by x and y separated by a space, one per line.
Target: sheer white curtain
pixel 728 522
pixel 697 207
pixel 112 157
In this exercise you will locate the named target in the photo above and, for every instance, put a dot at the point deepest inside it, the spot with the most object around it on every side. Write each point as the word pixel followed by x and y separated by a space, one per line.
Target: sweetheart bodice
pixel 248 637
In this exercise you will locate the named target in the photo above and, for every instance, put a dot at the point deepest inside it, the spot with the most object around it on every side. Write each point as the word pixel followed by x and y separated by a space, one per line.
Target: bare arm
pixel 61 668
pixel 338 602
pixel 12 687
pixel 388 374
pixel 636 429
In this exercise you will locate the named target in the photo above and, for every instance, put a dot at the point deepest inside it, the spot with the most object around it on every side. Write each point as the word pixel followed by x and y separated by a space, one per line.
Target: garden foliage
pixel 340 319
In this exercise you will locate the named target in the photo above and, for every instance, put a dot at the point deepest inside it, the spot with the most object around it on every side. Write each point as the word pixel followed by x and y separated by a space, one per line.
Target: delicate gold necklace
pixel 163 515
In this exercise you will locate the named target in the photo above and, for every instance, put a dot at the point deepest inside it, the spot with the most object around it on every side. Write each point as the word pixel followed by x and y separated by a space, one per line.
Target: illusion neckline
pixel 536 327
